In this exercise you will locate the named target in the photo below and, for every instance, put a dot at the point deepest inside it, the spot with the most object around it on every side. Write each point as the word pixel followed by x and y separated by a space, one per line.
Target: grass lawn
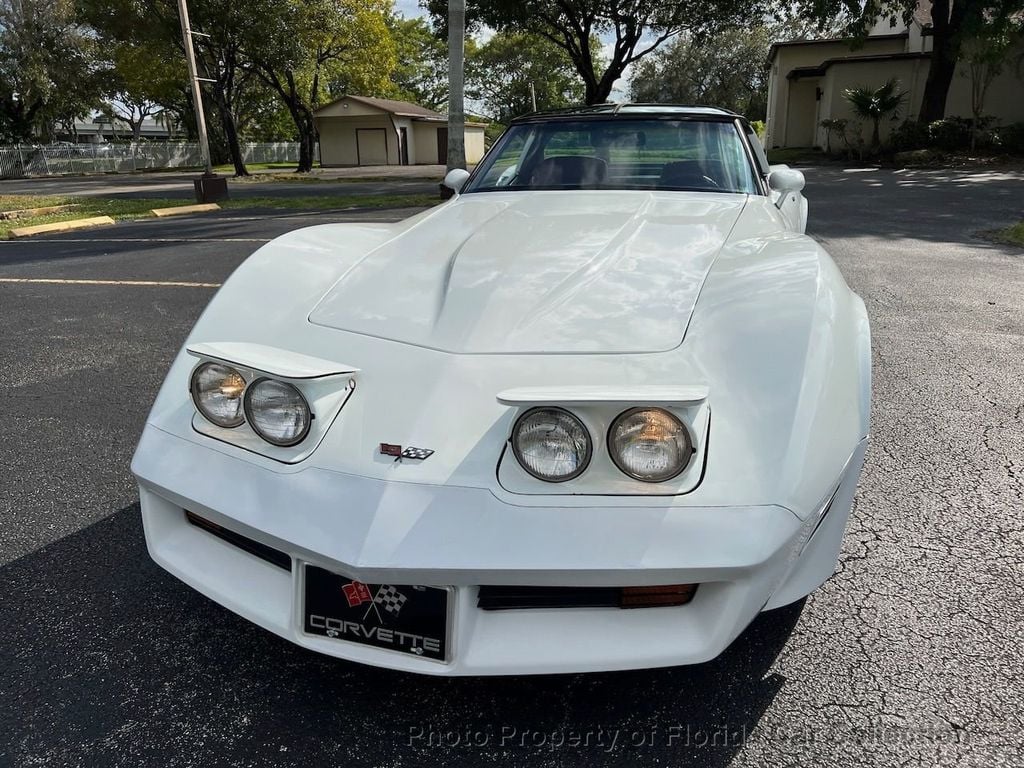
pixel 329 202
pixel 230 168
pixel 1011 235
pixel 121 209
pixel 116 208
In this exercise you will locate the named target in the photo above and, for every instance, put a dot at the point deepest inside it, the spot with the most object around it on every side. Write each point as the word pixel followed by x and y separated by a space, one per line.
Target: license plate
pixel 399 617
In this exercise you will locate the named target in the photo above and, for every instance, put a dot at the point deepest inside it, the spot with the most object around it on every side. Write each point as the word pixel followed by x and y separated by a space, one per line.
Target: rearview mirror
pixel 785 179
pixel 456 179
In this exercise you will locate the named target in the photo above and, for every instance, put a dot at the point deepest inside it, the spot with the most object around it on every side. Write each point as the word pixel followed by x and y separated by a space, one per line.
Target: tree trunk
pixel 307 146
pixel 456 84
pixel 603 91
pixel 945 52
pixel 304 125
pixel 876 139
pixel 227 119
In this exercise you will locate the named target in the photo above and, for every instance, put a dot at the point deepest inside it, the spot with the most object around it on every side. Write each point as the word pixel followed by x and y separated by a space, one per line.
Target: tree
pixel 305 49
pixel 727 71
pixel 501 72
pixel 138 82
pixel 984 55
pixel 153 30
pixel 48 68
pixel 260 115
pixel 421 72
pixel 952 22
pixel 876 104
pixel 634 28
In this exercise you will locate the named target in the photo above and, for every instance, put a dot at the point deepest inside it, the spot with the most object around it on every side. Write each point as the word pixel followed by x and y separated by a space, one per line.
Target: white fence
pixel 54 159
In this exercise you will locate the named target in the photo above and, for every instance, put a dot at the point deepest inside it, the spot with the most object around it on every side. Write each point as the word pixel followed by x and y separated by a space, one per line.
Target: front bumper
pixel 405 533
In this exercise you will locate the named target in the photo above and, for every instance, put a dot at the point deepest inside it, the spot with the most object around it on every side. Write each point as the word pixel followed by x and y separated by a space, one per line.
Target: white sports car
pixel 596 411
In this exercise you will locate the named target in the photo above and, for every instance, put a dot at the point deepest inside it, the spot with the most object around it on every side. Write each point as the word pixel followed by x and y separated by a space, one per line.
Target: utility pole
pixel 208 187
pixel 456 84
pixel 533 96
pixel 197 93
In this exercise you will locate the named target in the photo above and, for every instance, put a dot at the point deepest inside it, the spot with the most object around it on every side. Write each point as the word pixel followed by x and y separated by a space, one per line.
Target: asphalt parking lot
pixel 910 655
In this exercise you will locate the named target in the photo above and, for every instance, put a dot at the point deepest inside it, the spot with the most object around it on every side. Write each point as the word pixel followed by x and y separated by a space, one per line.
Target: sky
pixel 411 9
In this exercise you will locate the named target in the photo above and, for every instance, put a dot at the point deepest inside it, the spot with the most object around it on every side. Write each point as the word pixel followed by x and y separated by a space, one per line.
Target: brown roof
pixel 400 108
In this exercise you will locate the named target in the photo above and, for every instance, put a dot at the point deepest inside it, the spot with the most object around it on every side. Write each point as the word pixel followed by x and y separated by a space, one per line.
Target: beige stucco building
pixel 808 77
pixel 359 130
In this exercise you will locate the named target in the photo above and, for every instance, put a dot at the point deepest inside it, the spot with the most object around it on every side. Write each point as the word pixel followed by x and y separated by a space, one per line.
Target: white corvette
pixel 596 411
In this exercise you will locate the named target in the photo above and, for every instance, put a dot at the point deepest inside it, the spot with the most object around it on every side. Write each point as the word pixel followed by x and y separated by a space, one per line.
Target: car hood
pixel 539 272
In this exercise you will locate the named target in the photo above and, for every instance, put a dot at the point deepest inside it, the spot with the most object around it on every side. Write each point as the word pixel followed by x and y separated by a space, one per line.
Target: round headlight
pixel 277 412
pixel 551 444
pixel 649 444
pixel 217 393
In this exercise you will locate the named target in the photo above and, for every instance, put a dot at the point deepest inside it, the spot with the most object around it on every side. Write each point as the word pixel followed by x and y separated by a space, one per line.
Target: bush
pixel 758 126
pixel 1009 138
pixel 910 135
pixel 952 133
pixel 837 128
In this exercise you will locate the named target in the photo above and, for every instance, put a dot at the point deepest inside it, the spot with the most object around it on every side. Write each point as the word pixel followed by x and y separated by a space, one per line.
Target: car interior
pixel 636 154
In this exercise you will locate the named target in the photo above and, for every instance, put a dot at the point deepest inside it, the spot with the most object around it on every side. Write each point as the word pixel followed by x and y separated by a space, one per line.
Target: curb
pixel 183 209
pixel 61 226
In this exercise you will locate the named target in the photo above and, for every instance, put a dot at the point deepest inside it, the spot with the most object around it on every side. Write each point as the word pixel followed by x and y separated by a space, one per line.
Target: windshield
pixel 618 153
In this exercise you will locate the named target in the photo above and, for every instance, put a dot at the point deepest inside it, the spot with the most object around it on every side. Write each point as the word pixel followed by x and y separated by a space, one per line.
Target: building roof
pixel 798 72
pixel 823 40
pixel 400 109
pixel 393 106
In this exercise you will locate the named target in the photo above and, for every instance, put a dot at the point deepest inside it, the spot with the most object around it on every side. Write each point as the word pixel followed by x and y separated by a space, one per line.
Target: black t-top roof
pixel 630 110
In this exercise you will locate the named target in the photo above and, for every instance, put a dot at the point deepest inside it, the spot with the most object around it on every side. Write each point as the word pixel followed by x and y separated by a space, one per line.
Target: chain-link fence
pixel 54 159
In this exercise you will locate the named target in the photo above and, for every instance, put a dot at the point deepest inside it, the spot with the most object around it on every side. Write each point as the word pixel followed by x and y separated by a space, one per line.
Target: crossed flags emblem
pixel 386 597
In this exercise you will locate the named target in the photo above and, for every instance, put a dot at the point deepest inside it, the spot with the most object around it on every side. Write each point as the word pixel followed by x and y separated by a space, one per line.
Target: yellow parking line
pixel 145 283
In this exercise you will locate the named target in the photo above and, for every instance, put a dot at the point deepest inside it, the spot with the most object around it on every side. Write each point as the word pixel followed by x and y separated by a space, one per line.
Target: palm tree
pixel 875 104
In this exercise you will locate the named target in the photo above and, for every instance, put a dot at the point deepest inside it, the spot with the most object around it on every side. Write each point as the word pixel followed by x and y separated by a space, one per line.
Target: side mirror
pixel 456 179
pixel 785 179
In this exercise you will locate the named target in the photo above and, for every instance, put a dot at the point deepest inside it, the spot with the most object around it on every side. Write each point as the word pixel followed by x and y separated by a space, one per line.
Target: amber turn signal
pixel 646 597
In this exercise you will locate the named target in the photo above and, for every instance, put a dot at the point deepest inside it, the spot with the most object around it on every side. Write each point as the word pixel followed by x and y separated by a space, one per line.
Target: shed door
pixel 372 147
pixel 442 145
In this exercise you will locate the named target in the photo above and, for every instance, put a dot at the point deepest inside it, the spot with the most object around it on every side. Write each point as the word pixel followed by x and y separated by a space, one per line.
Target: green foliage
pixel 137 80
pixel 910 135
pixel 1011 235
pixel 876 104
pixel 500 73
pixel 837 127
pixel 1010 138
pixel 420 74
pixel 759 128
pixel 726 71
pixel 48 68
pixel 635 27
pixel 308 50
pixel 953 134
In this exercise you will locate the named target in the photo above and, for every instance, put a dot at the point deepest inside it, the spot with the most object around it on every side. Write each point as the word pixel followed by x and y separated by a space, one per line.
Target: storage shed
pixel 359 130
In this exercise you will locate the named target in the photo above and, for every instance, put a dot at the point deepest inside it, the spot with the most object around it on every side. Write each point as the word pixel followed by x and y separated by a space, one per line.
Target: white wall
pixel 338 138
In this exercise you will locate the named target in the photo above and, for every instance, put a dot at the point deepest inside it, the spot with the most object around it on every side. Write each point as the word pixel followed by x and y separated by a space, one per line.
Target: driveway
pixel 910 655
